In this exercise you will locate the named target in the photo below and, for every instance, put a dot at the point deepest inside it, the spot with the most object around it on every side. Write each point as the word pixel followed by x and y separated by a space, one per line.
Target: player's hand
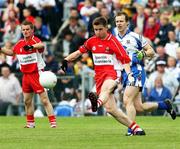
pixel 28 47
pixel 131 79
pixel 140 54
pixel 64 65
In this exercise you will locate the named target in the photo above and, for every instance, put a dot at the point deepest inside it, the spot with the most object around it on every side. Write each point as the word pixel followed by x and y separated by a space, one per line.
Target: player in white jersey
pixel 137 48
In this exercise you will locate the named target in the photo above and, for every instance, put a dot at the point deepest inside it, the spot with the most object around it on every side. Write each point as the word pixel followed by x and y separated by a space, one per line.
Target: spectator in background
pixel 41 30
pixel 170 82
pixel 73 25
pixel 78 39
pixel 12 15
pixel 151 29
pixel 151 4
pixel 21 6
pixel 62 47
pixel 86 59
pixel 10 90
pixel 73 13
pixel 99 5
pixel 176 7
pixel 171 67
pixel 13 34
pixel 157 94
pixel 64 108
pixel 87 10
pixel 67 5
pixel 51 63
pixel 10 7
pixel 156 14
pixel 162 36
pixel 161 53
pixel 140 18
pixel 172 45
pixel 80 69
pixel 27 15
pixel 49 15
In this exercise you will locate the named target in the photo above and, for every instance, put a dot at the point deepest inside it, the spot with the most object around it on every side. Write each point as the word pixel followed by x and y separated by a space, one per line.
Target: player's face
pixel 100 31
pixel 26 31
pixel 121 23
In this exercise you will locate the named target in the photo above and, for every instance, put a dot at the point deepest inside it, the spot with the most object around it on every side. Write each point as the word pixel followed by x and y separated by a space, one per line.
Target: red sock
pixel 134 127
pixel 99 102
pixel 52 121
pixel 30 121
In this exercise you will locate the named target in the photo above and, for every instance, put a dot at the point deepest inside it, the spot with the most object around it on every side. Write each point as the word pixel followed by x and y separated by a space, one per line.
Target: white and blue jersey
pixel 132 41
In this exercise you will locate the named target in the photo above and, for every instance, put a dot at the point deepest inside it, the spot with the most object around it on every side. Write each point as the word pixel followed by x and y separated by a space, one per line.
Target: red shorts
pixel 30 83
pixel 99 79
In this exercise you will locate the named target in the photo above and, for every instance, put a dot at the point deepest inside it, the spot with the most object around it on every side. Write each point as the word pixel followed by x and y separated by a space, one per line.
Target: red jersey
pixel 105 52
pixel 30 61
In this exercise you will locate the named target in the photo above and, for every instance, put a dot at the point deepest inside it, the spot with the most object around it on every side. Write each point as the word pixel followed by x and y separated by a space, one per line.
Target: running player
pixel 105 48
pixel 137 48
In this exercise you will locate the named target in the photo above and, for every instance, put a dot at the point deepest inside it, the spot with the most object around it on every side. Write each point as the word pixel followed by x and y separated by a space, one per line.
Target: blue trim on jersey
pixel 127 32
pixel 139 44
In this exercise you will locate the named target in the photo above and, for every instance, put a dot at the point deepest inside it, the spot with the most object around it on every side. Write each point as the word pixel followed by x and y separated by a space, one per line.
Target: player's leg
pixel 107 88
pixel 144 107
pixel 48 108
pixel 151 106
pixel 112 109
pixel 29 108
pixel 130 93
pixel 38 89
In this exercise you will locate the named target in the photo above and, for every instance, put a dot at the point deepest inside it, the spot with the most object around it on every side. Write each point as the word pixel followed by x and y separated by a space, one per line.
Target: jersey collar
pixel 121 37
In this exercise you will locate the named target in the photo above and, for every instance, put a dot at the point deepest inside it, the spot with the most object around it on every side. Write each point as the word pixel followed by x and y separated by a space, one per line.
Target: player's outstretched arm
pixel 73 56
pixel 7 51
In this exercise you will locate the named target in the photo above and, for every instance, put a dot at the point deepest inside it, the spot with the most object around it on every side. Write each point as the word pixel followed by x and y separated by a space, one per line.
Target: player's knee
pixel 27 102
pixel 110 110
pixel 45 101
pixel 127 102
pixel 139 109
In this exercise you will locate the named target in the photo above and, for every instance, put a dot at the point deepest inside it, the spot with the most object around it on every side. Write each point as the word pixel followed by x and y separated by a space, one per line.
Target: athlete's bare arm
pixel 73 56
pixel 7 51
pixel 149 51
pixel 39 45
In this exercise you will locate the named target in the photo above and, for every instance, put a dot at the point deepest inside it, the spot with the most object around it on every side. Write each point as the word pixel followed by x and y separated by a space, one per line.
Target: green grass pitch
pixel 89 133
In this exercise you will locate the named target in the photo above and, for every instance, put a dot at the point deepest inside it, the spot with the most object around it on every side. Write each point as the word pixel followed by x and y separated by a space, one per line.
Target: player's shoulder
pixel 131 33
pixel 36 39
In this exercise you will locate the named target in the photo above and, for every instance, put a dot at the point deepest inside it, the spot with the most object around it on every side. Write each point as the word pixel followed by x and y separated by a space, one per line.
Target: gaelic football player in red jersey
pixel 106 50
pixel 29 53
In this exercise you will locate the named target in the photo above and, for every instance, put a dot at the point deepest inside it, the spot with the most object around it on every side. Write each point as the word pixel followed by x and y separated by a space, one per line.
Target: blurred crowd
pixel 64 25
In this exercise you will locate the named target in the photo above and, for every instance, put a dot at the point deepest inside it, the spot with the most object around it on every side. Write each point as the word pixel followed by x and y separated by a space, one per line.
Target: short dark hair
pixel 100 21
pixel 5 65
pixel 121 13
pixel 28 23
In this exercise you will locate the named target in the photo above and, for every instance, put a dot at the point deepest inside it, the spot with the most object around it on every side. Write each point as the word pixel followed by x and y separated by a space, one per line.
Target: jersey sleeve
pixel 85 47
pixel 37 40
pixel 120 52
pixel 143 42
